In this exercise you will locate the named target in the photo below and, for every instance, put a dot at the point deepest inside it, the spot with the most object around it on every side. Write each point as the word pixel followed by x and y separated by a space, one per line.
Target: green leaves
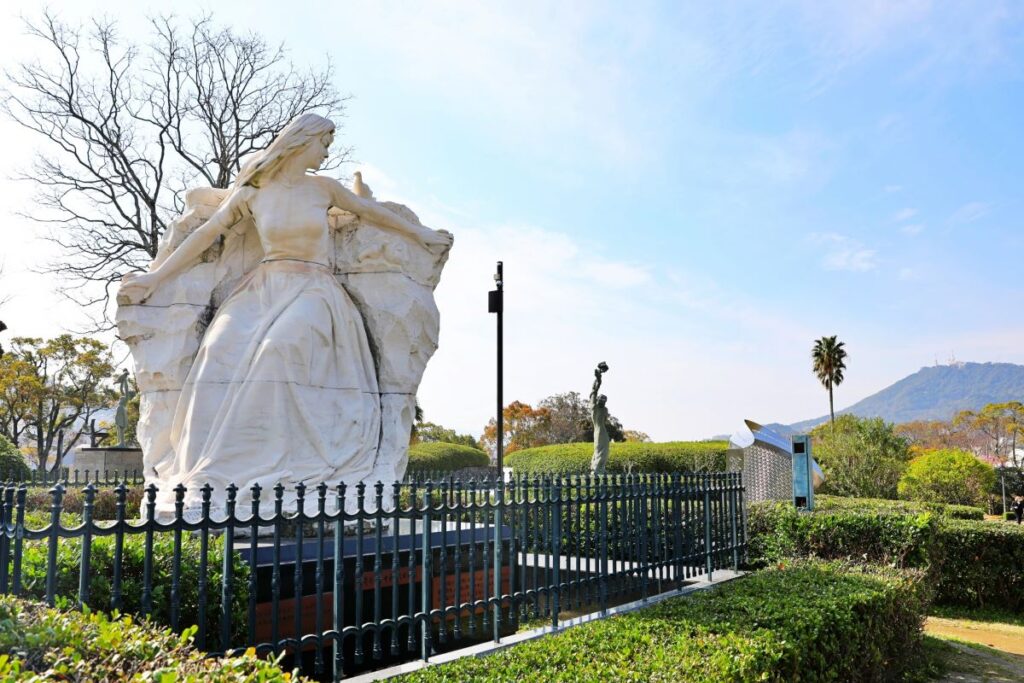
pixel 808 621
pixel 636 457
pixel 971 562
pixel 436 456
pixel 948 476
pixel 42 644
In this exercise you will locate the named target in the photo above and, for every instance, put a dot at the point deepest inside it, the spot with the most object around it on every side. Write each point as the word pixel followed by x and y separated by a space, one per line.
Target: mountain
pixel 937 393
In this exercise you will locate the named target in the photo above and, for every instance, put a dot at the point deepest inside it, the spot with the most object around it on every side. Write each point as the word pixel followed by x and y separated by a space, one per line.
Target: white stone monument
pixel 282 331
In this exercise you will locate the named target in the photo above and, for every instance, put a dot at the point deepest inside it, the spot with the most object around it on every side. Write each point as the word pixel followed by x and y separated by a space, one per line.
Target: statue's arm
pixel 138 287
pixel 343 198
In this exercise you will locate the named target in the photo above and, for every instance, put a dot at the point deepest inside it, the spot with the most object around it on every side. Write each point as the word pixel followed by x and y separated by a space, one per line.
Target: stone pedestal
pixel 106 463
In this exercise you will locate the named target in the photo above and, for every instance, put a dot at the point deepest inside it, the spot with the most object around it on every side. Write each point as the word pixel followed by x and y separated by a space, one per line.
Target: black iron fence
pixel 363 581
pixel 76 477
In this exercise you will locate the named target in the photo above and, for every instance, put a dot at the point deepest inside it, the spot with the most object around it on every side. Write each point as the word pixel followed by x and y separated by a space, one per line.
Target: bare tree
pixel 128 128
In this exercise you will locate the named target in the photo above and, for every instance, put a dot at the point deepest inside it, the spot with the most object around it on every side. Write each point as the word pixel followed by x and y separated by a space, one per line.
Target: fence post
pixel 497 555
pixel 733 509
pixel 227 570
pixel 603 540
pixel 556 551
pixel 56 503
pixel 147 554
pixel 337 597
pixel 643 488
pixel 427 587
pixel 179 509
pixel 83 572
pixel 19 537
pixel 6 508
pixel 708 566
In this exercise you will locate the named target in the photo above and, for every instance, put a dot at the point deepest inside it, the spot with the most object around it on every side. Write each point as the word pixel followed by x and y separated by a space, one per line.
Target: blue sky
pixel 691 192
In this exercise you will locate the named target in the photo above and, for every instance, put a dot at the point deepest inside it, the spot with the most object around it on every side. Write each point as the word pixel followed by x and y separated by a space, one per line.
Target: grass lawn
pixel 975 646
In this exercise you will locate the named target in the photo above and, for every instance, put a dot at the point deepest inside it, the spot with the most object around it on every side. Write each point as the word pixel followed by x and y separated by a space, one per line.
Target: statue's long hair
pixel 296 135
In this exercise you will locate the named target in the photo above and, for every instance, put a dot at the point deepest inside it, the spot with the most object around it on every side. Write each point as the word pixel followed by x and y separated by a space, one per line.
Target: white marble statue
pixel 282 330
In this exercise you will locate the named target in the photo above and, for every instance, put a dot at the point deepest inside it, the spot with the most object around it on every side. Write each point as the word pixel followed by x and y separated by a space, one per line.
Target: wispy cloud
pixel 844 253
pixel 889 189
pixel 968 213
pixel 912 229
pixel 904 214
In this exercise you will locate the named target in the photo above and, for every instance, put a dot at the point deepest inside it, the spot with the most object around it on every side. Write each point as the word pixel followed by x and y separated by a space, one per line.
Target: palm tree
pixel 829 358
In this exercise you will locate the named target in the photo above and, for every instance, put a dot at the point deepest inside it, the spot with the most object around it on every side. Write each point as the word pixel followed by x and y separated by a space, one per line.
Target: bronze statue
pixel 599 412
pixel 121 416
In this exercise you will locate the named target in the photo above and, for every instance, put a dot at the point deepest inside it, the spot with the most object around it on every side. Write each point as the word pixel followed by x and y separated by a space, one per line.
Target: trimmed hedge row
pixel 810 621
pixel 981 564
pixel 438 456
pixel 901 506
pixel 574 458
pixel 40 643
pixel 971 563
pixel 69 561
pixel 778 531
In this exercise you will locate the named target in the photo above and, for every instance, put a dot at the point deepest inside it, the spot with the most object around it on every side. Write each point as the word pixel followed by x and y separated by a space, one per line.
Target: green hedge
pixel 69 561
pixel 982 564
pixel 898 506
pixel 972 563
pixel 574 458
pixel 48 644
pixel 438 456
pixel 806 622
pixel 777 531
pixel 104 504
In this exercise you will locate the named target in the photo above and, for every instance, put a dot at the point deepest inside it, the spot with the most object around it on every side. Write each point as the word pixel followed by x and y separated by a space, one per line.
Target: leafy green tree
pixel 862 457
pixel 58 385
pixel 948 476
pixel 570 420
pixel 829 358
pixel 428 432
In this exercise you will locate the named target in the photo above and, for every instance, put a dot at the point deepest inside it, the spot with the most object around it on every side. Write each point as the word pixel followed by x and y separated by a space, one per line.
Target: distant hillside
pixel 937 393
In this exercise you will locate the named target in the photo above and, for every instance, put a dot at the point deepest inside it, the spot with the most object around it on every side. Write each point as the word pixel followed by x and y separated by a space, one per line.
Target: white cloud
pixel 904 214
pixel 892 188
pixel 844 253
pixel 912 229
pixel 970 212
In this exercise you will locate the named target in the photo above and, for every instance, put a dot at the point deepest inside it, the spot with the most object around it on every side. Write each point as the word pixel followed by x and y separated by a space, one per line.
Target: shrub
pixel 972 563
pixel 778 531
pixel 981 564
pixel 48 644
pixel 860 456
pixel 574 458
pixel 900 506
pixel 805 622
pixel 12 462
pixel 69 560
pixel 104 504
pixel 948 476
pixel 438 456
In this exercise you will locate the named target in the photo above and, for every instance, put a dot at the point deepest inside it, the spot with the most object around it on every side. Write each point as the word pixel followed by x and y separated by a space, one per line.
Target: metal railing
pixel 363 581
pixel 76 477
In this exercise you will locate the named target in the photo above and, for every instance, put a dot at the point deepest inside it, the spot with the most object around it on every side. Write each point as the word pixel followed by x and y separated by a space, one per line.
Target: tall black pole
pixel 496 304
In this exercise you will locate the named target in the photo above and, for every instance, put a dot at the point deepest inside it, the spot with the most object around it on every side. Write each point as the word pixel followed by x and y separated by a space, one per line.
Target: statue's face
pixel 316 152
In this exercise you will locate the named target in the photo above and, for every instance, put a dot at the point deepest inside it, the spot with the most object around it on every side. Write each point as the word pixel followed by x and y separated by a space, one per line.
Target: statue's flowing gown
pixel 283 388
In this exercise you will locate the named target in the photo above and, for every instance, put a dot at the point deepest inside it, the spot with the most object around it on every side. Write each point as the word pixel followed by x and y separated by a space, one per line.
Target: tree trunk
pixel 831 409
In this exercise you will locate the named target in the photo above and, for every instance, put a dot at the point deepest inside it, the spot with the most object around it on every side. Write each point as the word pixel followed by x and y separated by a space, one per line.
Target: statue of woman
pixel 599 415
pixel 283 388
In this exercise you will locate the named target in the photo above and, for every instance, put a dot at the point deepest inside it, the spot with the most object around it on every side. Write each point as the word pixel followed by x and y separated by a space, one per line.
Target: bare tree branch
pixel 128 128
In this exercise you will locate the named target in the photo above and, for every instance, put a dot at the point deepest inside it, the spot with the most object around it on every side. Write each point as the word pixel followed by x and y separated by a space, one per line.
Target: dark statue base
pixel 372 593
